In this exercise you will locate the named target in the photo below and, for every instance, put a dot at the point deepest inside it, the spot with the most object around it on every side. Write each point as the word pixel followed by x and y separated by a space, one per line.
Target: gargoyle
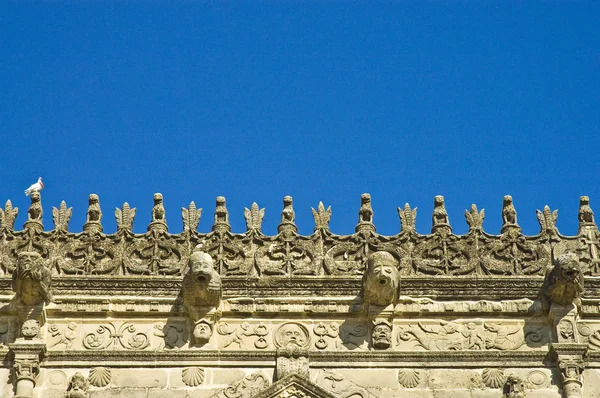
pixel 380 281
pixel 201 285
pixel 32 279
pixel 564 283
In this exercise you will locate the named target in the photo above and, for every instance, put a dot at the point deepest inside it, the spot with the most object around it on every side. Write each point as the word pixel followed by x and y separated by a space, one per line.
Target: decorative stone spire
pixel 288 217
pixel 8 216
pixel 94 215
pixel 34 213
pixel 61 216
pixel 475 218
pixel 408 218
pixel 547 220
pixel 365 215
pixel 191 217
pixel 254 217
pixel 321 217
pixel 159 219
pixel 125 217
pixel 221 223
pixel 585 215
pixel 509 215
pixel 439 218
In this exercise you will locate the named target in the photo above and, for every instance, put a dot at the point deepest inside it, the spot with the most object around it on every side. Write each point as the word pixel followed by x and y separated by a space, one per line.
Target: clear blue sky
pixel 318 100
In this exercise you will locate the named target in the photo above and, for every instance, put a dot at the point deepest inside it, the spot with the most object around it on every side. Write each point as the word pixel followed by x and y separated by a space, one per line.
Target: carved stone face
pixel 28 262
pixel 566 331
pixel 158 198
pixel 78 386
pixel 382 336
pixel 382 266
pixel 201 267
pixel 30 329
pixel 292 334
pixel 569 267
pixel 202 332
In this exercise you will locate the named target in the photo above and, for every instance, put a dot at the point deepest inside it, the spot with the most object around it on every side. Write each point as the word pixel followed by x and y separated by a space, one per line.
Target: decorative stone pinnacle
pixel 221 223
pixel 254 217
pixel 586 215
pixel 475 218
pixel 35 212
pixel 439 218
pixel 159 218
pixel 408 218
pixel 8 216
pixel 125 217
pixel 321 217
pixel 547 220
pixel 288 217
pixel 365 215
pixel 509 215
pixel 61 216
pixel 94 215
pixel 191 217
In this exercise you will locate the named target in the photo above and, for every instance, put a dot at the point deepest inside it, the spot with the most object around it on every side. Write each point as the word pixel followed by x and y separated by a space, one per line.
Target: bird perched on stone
pixel 38 186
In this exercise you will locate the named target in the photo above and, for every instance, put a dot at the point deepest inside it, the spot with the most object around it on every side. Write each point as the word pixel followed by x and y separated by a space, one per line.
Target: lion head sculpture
pixel 32 279
pixel 564 283
pixel 201 284
pixel 380 281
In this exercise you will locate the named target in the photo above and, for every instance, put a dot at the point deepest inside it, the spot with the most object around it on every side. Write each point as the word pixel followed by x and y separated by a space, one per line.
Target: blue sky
pixel 318 100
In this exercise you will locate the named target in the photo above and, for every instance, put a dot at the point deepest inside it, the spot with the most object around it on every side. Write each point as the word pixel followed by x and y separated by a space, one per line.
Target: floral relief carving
pixel 116 335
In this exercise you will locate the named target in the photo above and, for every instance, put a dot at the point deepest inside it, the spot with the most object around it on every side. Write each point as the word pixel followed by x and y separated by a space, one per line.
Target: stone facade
pixel 245 315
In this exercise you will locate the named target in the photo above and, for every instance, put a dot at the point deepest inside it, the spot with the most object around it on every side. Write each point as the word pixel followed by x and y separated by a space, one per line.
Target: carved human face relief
pixel 201 265
pixel 382 336
pixel 30 329
pixel 292 334
pixel 202 332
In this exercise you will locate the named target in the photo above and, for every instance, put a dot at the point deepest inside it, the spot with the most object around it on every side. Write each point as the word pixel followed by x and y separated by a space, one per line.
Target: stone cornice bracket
pixel 221 222
pixel 93 223
pixel 26 365
pixel 34 213
pixel 32 280
pixel 586 217
pixel 570 363
pixel 563 284
pixel 287 228
pixel 201 287
pixel 439 218
pixel 365 215
pixel 159 218
pixel 292 341
pixel 381 279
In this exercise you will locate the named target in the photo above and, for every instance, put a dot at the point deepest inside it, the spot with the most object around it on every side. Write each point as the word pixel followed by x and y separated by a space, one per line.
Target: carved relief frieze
pixel 244 336
pixel 62 336
pixel 339 385
pixel 247 387
pixel 171 335
pixel 116 336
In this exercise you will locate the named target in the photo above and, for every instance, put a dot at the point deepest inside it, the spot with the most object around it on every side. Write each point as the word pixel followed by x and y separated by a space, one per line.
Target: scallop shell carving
pixel 493 378
pixel 409 378
pixel 192 376
pixel 100 377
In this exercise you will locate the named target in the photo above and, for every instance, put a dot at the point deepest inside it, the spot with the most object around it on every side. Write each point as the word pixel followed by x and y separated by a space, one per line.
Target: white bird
pixel 38 186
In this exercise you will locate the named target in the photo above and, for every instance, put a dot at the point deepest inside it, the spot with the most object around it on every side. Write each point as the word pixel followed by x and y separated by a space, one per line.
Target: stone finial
pixel 32 279
pixel 514 387
pixel 159 218
pixel 288 216
pixel 439 218
pixel 547 220
pixel 408 218
pixel 221 223
pixel 93 215
pixel 8 216
pixel 61 216
pixel 321 217
pixel 125 217
pixel 365 215
pixel 191 217
pixel 254 217
pixel 35 212
pixel 78 387
pixel 509 214
pixel 475 218
pixel 585 215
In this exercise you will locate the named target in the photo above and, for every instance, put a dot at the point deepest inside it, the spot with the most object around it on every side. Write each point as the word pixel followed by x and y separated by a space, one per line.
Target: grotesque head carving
pixel 78 386
pixel 201 267
pixel 380 281
pixel 32 279
pixel 564 283
pixel 514 387
pixel 382 334
pixel 30 329
pixel 202 331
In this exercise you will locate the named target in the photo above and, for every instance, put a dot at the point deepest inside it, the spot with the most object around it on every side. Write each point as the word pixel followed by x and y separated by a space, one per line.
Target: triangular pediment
pixel 294 386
